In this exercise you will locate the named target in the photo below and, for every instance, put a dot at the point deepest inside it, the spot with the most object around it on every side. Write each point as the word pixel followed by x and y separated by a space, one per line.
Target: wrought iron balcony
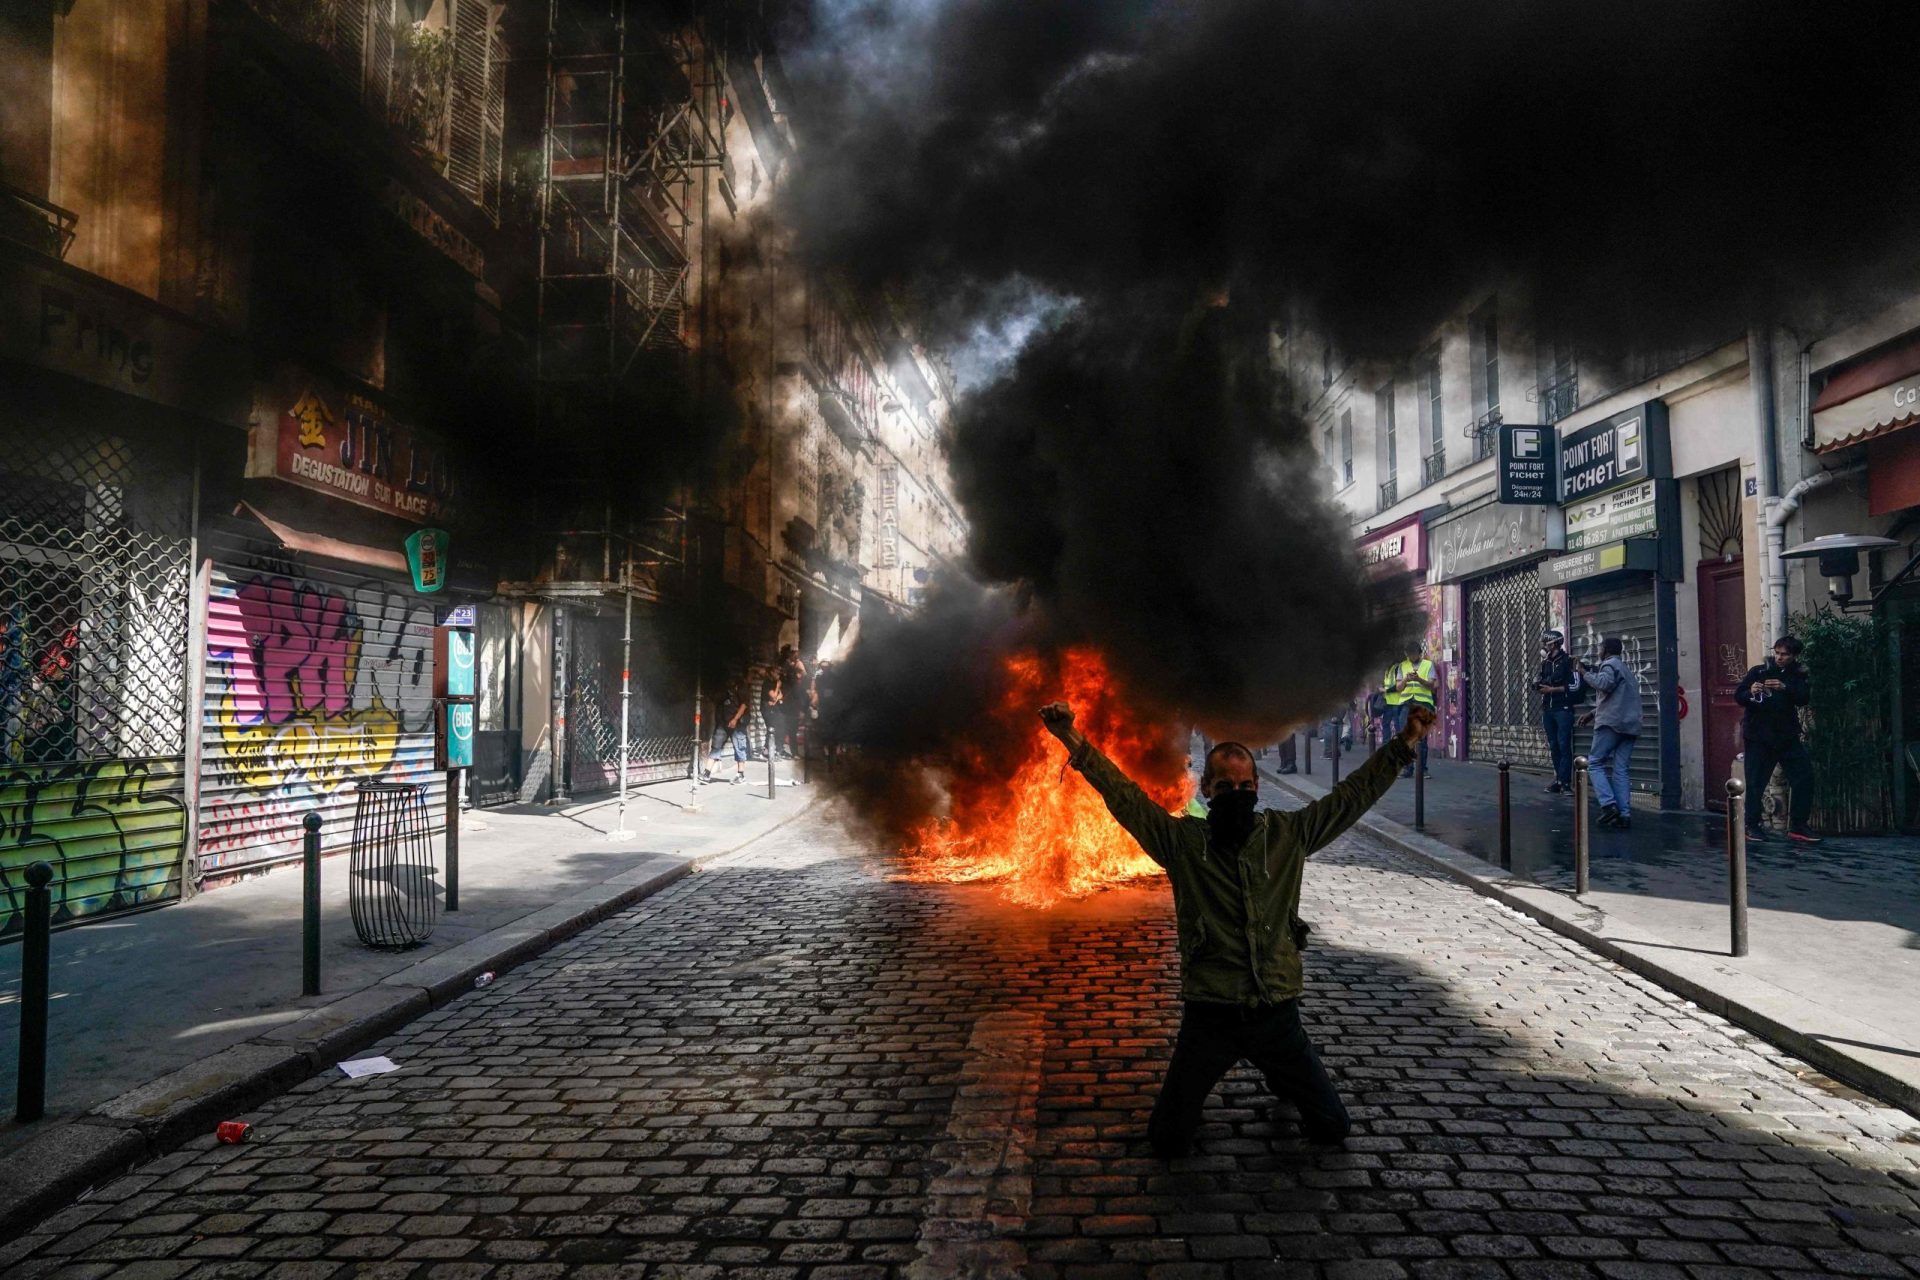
pixel 1559 396
pixel 35 223
pixel 1389 493
pixel 1481 431
pixel 1433 467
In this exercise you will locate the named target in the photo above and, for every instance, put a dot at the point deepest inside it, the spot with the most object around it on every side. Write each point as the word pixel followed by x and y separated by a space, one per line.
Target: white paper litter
pixel 368 1067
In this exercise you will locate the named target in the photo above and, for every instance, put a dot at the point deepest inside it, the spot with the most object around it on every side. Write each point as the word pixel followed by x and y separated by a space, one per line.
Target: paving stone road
pixel 794 1065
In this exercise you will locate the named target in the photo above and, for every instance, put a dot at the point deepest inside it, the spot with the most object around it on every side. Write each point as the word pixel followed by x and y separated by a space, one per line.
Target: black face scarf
pixel 1230 820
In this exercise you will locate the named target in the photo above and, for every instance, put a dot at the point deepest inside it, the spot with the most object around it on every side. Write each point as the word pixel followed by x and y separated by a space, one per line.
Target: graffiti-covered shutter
pixel 318 678
pixel 94 593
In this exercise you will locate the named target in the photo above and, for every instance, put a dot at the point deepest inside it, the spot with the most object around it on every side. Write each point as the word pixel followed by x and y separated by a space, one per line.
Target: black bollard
pixel 1307 768
pixel 1737 863
pixel 36 959
pixel 453 839
pixel 1419 793
pixel 1580 824
pixel 310 909
pixel 1506 815
pixel 1338 733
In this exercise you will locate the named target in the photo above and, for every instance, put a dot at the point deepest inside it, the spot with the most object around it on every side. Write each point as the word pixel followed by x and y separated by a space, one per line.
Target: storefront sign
pixel 117 339
pixel 436 230
pixel 1631 512
pixel 1492 535
pixel 1526 474
pixel 427 558
pixel 1402 545
pixel 1628 447
pixel 1595 562
pixel 343 444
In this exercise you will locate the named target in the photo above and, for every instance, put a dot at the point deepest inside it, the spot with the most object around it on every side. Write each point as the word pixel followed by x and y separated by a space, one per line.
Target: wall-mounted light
pixel 1839 557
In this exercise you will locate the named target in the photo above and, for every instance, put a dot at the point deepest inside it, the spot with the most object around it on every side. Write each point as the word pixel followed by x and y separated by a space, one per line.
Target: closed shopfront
pixel 1492 552
pixel 95 640
pixel 1624 608
pixel 495 776
pixel 660 712
pixel 1506 612
pixel 319 677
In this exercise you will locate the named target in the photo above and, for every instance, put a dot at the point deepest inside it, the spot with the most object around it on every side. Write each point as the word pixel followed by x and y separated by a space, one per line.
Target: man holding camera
pixel 1773 694
pixel 1236 890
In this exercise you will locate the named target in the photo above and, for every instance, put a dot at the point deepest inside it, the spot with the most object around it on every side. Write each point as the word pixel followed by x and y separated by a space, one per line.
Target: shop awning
pixel 1869 398
pixel 320 544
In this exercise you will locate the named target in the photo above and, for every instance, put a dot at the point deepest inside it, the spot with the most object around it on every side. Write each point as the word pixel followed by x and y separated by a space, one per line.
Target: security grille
pixel 660 745
pixel 1625 610
pixel 1506 612
pixel 94 579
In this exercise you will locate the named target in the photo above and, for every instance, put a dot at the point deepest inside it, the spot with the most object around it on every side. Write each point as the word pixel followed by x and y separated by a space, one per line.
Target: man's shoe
pixel 1609 815
pixel 1800 835
pixel 1286 769
pixel 1426 773
pixel 1554 788
pixel 1758 835
pixel 1406 773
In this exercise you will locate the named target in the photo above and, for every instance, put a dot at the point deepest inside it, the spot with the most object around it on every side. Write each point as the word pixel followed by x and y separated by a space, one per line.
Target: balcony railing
pixel 1482 433
pixel 1433 467
pixel 35 223
pixel 1389 493
pixel 1559 396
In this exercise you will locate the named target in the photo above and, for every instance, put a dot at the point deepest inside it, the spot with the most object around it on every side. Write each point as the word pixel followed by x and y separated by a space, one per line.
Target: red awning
pixel 1869 397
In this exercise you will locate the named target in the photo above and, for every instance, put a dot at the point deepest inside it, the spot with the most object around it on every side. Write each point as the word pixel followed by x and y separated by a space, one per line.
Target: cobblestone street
pixel 794 1065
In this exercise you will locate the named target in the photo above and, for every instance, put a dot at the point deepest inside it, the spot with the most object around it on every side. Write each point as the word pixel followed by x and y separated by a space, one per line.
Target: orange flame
pixel 1017 821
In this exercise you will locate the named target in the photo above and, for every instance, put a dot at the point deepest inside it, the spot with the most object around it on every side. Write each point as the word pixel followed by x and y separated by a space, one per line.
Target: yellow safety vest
pixel 1401 670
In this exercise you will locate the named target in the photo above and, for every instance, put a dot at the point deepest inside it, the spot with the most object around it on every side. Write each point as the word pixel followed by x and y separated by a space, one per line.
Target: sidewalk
pixel 1834 973
pixel 160 1019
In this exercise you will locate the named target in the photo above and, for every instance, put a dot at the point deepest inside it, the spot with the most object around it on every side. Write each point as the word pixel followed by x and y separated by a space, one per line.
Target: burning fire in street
pixel 1015 820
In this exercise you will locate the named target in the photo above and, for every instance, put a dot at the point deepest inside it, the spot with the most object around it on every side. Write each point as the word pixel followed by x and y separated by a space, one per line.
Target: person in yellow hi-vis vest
pixel 1413 682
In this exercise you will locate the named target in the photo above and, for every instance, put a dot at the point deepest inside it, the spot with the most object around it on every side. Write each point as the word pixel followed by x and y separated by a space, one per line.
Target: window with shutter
pixel 466 150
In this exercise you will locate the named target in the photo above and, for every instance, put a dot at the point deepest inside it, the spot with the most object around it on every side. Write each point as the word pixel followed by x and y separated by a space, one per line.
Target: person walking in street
pixel 1556 682
pixel 1773 694
pixel 1415 683
pixel 1616 726
pixel 729 716
pixel 1236 892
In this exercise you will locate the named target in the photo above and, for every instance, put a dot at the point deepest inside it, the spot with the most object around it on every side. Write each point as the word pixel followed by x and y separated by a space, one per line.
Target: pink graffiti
pixel 305 643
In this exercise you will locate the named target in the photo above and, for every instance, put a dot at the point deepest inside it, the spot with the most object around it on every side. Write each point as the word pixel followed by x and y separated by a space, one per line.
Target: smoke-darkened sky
pixel 1650 175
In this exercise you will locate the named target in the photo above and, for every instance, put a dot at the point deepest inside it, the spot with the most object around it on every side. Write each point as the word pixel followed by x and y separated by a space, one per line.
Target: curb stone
pixel 56 1167
pixel 1767 1011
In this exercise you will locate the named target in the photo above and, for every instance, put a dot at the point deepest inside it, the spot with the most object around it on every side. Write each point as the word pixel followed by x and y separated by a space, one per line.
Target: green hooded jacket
pixel 1234 913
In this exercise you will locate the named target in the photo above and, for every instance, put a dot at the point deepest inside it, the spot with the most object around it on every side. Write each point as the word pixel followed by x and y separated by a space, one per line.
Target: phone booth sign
pixel 453 681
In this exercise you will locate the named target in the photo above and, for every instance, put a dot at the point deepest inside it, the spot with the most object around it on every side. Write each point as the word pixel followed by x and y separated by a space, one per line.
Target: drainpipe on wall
pixel 1766 454
pixel 1779 510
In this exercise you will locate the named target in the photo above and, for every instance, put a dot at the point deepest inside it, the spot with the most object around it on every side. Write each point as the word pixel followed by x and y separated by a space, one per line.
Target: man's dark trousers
pixel 1559 727
pixel 1215 1036
pixel 1762 759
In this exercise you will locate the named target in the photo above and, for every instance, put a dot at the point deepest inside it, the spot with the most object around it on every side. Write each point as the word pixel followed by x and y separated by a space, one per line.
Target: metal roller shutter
pixel 317 679
pixel 1625 609
pixel 660 745
pixel 1506 612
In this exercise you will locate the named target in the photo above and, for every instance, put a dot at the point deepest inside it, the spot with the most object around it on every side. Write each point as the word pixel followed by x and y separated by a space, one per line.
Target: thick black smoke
pixel 1649 175
pixel 1655 172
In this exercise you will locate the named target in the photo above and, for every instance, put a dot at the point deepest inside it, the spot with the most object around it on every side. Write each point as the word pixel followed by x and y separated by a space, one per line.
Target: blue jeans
pixel 1559 727
pixel 1611 752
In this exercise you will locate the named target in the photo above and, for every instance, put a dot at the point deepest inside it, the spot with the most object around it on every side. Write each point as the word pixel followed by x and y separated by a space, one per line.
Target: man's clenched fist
pixel 1058 717
pixel 1420 721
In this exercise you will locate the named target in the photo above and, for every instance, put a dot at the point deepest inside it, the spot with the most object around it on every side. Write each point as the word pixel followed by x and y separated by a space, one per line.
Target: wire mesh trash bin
pixel 392 880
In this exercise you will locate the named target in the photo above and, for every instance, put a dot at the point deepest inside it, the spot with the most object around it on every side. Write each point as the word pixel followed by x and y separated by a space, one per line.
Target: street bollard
pixel 1419 793
pixel 453 839
pixel 1506 815
pixel 773 745
pixel 1579 824
pixel 1339 732
pixel 1307 755
pixel 310 909
pixel 36 960
pixel 800 745
pixel 1737 863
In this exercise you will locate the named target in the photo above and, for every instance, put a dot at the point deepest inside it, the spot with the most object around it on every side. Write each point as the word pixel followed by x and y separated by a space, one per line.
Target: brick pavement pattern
pixel 794 1065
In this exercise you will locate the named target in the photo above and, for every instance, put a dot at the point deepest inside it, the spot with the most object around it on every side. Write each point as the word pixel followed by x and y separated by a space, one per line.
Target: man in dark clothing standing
pixel 1773 694
pixel 1236 894
pixel 1556 683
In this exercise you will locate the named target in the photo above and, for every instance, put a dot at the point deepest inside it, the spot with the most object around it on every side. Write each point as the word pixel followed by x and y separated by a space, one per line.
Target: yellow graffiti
pixel 114 831
pixel 326 751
